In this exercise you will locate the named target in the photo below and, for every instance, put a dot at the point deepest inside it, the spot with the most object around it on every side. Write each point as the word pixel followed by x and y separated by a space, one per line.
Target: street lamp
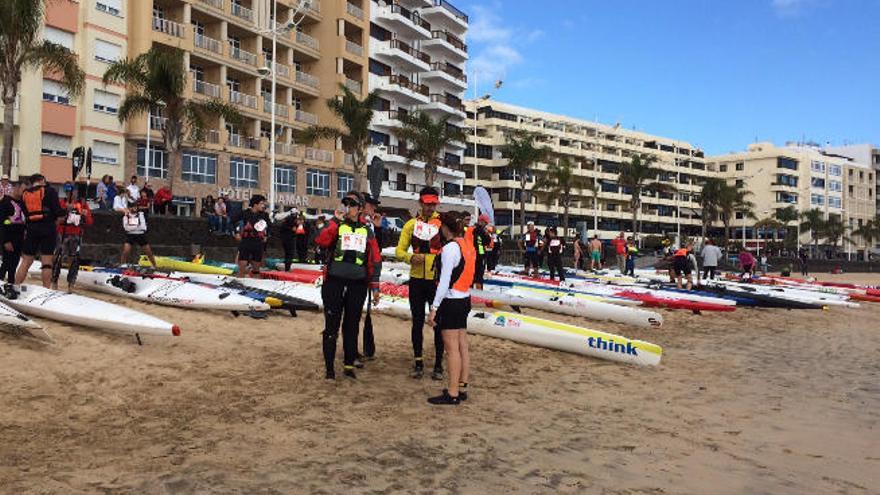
pixel 270 70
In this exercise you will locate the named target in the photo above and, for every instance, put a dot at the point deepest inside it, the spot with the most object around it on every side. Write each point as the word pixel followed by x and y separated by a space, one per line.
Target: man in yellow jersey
pixel 422 234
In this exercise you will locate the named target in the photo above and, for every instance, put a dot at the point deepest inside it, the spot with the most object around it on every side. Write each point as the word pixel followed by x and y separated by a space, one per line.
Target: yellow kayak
pixel 185 266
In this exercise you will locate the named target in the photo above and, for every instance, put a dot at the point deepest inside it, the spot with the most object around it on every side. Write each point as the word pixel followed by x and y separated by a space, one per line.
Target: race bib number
pixel 73 218
pixel 132 220
pixel 425 231
pixel 260 226
pixel 354 242
pixel 554 243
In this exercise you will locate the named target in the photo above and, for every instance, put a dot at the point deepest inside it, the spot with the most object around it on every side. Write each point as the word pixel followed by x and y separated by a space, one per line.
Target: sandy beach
pixel 755 401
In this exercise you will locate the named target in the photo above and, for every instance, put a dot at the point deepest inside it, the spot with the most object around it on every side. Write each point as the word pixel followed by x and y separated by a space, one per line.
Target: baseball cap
pixel 484 218
pixel 368 198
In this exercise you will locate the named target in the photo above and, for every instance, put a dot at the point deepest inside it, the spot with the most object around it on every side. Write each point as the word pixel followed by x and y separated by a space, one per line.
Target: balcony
pixel 306 40
pixel 443 12
pixel 394 17
pixel 158 123
pixel 243 99
pixel 217 4
pixel 243 13
pixel 208 44
pixel 354 10
pixel 281 70
pixel 248 143
pixel 397 52
pixel 446 44
pixel 288 149
pixel 212 136
pixel 405 89
pixel 388 119
pixel 355 86
pixel 354 48
pixel 243 56
pixel 307 79
pixel 305 117
pixel 170 28
pixel 206 88
pixel 280 110
pixel 319 155
pixel 449 77
pixel 447 105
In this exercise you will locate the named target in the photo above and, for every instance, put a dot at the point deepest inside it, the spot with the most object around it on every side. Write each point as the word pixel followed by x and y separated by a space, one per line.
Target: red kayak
pixel 652 301
pixel 864 297
pixel 301 276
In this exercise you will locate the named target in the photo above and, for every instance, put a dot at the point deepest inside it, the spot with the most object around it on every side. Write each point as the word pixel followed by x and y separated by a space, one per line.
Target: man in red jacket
pixel 619 244
pixel 354 253
pixel 70 232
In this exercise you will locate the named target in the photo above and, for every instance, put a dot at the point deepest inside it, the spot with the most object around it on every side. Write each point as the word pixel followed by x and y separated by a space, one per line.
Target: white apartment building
pixel 417 56
pixel 867 154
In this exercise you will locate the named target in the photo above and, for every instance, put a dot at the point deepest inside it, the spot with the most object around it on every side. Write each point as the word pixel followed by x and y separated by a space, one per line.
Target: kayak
pixel 168 292
pixel 563 337
pixel 170 264
pixel 13 322
pixel 223 282
pixel 85 311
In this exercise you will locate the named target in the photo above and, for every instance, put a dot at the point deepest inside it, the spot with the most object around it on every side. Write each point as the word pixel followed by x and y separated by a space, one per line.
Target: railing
pixel 242 12
pixel 206 88
pixel 354 86
pixel 446 100
pixel 399 45
pixel 348 159
pixel 314 6
pixel 242 55
pixel 217 4
pixel 411 16
pixel 307 79
pixel 449 38
pixel 304 39
pixel 287 149
pixel 306 117
pixel 403 82
pixel 212 136
pixel 168 27
pixel 319 155
pixel 354 10
pixel 250 143
pixel 452 9
pixel 281 69
pixel 206 43
pixel 243 99
pixel 352 47
pixel 158 123
pixel 443 67
pixel 280 110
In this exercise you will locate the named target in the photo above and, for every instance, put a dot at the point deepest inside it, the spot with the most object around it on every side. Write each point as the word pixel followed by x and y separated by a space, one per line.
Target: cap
pixel 429 195
pixel 484 218
pixel 368 198
pixel 530 223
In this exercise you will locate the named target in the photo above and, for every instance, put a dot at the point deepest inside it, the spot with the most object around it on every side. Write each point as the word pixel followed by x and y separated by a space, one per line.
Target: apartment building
pixel 805 177
pixel 866 154
pixel 226 44
pixel 596 151
pixel 416 62
pixel 49 124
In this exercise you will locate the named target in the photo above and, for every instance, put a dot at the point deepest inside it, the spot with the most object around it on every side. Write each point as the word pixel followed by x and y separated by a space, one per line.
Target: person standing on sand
pixel 252 234
pixel 422 234
pixel 347 276
pixel 683 267
pixel 371 218
pixel 631 252
pixel 595 253
pixel 803 259
pixel 711 255
pixel 528 246
pixel 619 244
pixel 11 232
pixel 452 304
pixel 43 213
pixel 553 248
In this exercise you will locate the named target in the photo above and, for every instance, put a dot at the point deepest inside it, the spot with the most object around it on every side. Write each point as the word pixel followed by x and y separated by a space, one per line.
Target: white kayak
pixel 563 337
pixel 571 304
pixel 14 322
pixel 793 294
pixel 84 311
pixel 168 292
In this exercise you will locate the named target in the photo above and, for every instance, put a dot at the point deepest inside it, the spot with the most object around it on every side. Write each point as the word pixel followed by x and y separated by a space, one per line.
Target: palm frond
pixel 129 72
pixel 132 105
pixel 316 133
pixel 53 57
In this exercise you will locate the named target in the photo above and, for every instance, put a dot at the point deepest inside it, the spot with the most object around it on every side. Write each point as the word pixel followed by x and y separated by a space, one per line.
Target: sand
pixel 756 401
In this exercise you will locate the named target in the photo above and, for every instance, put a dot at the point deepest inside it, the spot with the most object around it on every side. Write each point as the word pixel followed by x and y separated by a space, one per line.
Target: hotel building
pixel 863 153
pixel 596 151
pixel 416 62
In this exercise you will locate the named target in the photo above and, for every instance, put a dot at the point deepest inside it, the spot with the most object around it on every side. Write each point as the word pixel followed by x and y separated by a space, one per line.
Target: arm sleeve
pixel 402 251
pixel 374 262
pixel 87 213
pixel 450 257
pixel 327 236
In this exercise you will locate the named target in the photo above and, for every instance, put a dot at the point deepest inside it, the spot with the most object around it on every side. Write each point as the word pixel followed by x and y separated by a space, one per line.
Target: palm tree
pixel 640 175
pixel 356 115
pixel 814 221
pixel 708 199
pixel 732 200
pixel 522 155
pixel 428 139
pixel 834 230
pixel 157 79
pixel 21 50
pixel 559 183
pixel 869 232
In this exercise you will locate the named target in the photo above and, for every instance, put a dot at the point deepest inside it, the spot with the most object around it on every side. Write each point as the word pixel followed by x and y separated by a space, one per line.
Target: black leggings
pixel 288 245
pixel 343 302
pixel 10 260
pixel 421 293
pixel 554 263
pixel 709 272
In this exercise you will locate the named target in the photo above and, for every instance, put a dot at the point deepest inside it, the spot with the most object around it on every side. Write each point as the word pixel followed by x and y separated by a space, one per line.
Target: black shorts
pixel 531 259
pixel 250 250
pixel 453 314
pixel 39 242
pixel 137 239
pixel 682 266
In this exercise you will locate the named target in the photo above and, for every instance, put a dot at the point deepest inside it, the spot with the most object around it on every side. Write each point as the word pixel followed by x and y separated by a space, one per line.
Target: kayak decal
pixel 611 346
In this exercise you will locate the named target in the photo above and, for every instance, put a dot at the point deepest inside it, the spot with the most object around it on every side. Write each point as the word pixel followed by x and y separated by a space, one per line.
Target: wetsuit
pixel 12 232
pixel 42 208
pixel 554 248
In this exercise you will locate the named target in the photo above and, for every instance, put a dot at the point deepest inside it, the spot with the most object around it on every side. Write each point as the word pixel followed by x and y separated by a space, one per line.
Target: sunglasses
pixel 350 202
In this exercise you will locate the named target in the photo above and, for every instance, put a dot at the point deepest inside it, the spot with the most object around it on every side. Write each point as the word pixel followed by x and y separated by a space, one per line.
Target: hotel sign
pixel 285 199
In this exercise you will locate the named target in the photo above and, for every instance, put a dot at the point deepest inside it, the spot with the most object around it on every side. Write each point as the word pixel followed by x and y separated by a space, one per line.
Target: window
pixel 789 163
pixel 722 167
pixel 106 102
pixel 317 183
pixel 344 183
pixel 58 37
pixel 784 197
pixel 740 215
pixel 740 166
pixel 835 186
pixel 817 182
pixel 817 166
pixel 244 173
pixel 834 202
pixel 379 68
pixel 835 170
pixel 786 180
pixel 200 168
pixel 158 166
pixel 104 152
pixel 817 199
pixel 740 183
pixel 55 92
pixel 55 145
pixel 107 52
pixel 112 7
pixel 285 179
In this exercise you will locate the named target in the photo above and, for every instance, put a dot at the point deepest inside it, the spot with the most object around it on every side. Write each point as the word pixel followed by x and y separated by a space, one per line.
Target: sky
pixel 719 74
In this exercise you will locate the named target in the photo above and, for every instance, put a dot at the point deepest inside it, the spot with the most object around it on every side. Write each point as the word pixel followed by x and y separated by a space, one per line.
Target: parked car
pixel 393 224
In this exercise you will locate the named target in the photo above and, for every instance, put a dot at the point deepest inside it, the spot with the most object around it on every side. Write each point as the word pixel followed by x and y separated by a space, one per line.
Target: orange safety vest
pixel 464 272
pixel 682 252
pixel 33 203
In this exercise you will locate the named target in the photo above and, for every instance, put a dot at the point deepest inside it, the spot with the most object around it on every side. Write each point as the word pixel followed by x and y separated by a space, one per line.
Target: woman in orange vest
pixel 452 304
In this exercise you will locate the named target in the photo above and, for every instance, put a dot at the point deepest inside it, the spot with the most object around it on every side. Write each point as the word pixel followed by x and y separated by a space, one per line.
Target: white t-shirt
pixel 120 202
pixel 134 190
pixel 450 257
pixel 134 223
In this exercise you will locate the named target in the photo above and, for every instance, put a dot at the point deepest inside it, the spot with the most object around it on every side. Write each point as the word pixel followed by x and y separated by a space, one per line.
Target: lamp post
pixel 268 70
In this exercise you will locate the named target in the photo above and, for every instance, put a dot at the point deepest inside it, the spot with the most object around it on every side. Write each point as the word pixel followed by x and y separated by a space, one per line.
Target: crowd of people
pixel 111 195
